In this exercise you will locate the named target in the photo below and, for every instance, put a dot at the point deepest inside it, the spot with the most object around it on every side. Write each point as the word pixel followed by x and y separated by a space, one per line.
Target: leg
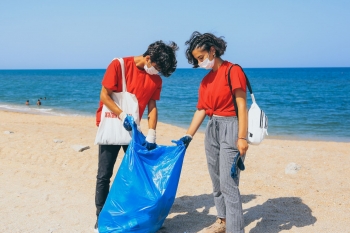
pixel 125 147
pixel 212 151
pixel 229 186
pixel 106 159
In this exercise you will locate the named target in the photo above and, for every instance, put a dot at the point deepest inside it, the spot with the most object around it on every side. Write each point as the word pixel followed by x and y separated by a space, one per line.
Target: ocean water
pixel 305 103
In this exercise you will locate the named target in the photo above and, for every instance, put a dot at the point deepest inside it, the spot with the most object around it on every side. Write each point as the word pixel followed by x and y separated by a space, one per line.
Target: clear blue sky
pixel 88 34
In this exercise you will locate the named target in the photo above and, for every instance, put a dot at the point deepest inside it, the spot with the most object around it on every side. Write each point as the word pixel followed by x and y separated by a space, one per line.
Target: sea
pixel 301 103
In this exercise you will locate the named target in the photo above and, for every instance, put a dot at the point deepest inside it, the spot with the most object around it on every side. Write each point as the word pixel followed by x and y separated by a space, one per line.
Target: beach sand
pixel 49 187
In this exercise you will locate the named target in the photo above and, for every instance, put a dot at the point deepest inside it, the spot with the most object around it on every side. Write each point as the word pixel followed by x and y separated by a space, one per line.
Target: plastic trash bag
pixel 144 188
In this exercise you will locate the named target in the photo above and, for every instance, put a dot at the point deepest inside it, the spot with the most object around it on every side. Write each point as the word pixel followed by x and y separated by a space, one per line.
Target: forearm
pixel 197 120
pixel 242 122
pixel 242 113
pixel 152 118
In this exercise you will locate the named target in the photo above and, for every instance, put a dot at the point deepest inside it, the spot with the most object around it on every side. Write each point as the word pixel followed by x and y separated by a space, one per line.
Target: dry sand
pixel 49 187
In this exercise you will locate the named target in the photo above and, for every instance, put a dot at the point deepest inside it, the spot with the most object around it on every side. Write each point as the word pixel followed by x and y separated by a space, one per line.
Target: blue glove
pixel 149 145
pixel 128 121
pixel 237 164
pixel 186 140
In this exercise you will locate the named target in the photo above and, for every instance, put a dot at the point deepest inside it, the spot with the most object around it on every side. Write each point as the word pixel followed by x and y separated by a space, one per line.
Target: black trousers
pixel 107 155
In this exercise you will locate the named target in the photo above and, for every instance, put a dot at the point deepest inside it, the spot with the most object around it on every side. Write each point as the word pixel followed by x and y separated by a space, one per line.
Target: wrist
pixel 242 138
pixel 151 136
pixel 122 116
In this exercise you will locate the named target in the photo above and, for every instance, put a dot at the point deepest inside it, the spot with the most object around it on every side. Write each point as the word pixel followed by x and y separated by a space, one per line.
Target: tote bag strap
pixel 230 85
pixel 121 61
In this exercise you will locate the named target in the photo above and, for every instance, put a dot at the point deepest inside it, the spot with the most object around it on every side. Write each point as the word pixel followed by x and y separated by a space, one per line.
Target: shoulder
pixel 114 64
pixel 128 60
pixel 235 68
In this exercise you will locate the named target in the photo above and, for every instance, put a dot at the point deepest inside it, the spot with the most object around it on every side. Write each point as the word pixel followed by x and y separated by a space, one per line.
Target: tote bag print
pixel 111 130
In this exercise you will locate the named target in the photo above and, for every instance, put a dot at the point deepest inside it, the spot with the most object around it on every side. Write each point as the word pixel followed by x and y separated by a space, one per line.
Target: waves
pixel 305 102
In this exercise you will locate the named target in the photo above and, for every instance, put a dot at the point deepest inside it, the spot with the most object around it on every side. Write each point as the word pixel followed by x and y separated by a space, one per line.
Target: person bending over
pixel 143 80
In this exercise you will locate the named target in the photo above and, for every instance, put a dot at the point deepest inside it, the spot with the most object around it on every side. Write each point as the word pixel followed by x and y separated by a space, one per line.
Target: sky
pixel 89 34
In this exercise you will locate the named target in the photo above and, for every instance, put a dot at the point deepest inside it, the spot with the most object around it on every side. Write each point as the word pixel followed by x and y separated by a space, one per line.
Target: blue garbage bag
pixel 144 188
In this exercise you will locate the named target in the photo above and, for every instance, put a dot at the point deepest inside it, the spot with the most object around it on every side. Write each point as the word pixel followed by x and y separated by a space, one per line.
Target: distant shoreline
pixel 53 69
pixel 275 137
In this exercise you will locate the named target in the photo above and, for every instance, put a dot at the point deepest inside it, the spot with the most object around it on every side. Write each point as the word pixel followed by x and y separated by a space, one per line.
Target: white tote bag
pixel 111 130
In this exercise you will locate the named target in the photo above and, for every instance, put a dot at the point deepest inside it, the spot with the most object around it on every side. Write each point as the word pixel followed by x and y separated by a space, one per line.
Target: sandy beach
pixel 47 186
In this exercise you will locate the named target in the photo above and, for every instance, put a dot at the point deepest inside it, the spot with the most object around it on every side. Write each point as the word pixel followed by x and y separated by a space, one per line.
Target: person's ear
pixel 148 58
pixel 212 50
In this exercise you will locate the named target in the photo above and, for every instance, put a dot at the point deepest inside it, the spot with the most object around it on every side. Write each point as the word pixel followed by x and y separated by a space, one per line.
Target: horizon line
pixel 301 67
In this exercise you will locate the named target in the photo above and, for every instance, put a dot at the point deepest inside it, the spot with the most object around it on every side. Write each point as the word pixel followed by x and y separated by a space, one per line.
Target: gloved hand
pixel 127 121
pixel 240 164
pixel 149 146
pixel 237 164
pixel 186 140
pixel 150 142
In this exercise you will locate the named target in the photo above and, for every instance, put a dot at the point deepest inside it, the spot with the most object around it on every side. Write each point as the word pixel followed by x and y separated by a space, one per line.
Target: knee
pixel 104 176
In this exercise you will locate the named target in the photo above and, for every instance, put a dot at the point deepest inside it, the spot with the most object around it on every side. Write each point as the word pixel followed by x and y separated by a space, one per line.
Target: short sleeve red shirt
pixel 214 92
pixel 144 86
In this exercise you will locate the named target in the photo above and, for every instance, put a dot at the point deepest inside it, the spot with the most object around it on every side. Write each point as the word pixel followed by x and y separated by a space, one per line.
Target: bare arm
pixel 197 120
pixel 152 114
pixel 241 98
pixel 106 99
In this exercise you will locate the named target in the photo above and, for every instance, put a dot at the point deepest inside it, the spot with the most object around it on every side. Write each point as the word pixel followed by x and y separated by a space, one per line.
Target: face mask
pixel 151 70
pixel 206 64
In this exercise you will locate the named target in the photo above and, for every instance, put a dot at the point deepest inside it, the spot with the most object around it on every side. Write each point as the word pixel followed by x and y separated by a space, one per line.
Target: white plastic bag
pixel 111 130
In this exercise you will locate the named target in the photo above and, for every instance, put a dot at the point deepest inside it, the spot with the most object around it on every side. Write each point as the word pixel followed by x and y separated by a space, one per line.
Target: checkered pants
pixel 220 148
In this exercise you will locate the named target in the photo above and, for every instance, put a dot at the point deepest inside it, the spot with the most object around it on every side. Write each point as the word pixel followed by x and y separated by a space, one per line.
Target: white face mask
pixel 151 70
pixel 207 64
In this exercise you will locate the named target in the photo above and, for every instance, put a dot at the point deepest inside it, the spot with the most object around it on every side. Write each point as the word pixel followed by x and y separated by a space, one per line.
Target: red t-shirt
pixel 214 92
pixel 138 82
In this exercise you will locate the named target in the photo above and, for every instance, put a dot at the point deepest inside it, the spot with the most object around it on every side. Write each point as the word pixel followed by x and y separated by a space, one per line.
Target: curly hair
pixel 164 56
pixel 204 41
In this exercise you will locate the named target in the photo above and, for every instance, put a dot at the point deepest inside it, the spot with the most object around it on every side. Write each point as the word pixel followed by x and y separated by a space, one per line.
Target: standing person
pixel 142 79
pixel 27 102
pixel 225 136
pixel 38 102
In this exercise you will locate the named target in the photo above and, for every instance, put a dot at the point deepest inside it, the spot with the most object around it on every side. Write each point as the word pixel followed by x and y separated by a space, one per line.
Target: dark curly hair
pixel 164 56
pixel 204 41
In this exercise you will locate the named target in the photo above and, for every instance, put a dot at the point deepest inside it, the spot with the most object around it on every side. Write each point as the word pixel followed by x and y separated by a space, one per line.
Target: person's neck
pixel 217 64
pixel 140 62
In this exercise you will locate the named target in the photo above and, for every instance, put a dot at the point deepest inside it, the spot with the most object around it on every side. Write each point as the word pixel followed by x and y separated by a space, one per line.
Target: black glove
pixel 237 164
pixel 149 146
pixel 186 140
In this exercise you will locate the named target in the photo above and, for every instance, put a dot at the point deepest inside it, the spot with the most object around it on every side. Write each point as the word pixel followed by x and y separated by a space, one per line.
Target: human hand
pixel 242 146
pixel 186 140
pixel 150 142
pixel 237 164
pixel 127 121
pixel 149 146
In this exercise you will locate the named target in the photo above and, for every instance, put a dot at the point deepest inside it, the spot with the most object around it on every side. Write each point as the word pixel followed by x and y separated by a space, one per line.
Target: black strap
pixel 229 83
